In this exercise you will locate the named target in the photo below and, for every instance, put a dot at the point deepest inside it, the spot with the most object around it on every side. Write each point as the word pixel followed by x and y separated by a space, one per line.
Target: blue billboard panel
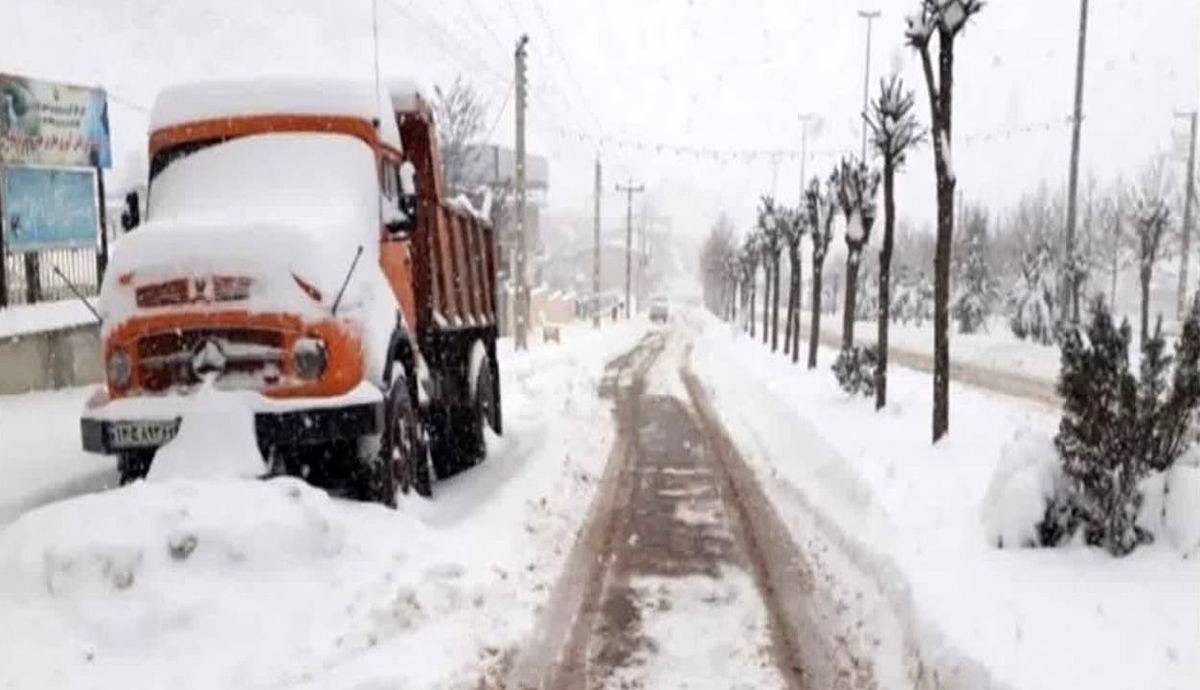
pixel 49 207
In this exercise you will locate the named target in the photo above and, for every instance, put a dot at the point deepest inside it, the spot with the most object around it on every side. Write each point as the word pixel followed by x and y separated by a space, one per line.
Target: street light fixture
pixel 870 16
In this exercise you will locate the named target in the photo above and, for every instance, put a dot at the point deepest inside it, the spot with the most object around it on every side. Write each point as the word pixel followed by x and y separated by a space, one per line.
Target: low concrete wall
pixel 50 359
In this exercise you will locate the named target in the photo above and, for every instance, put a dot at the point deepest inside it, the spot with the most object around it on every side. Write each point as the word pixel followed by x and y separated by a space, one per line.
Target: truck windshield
pixel 287 177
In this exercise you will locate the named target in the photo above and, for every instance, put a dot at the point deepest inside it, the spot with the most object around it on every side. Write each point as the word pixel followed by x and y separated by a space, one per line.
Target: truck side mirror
pixel 131 217
pixel 403 219
pixel 397 222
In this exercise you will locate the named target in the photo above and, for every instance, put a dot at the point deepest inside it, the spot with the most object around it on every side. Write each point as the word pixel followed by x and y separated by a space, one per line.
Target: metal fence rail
pixel 31 278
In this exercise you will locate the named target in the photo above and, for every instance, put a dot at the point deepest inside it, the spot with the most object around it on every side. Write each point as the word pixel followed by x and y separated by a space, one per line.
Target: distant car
pixel 660 311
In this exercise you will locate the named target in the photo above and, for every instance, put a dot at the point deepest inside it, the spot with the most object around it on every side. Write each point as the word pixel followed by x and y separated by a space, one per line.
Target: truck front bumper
pixel 131 424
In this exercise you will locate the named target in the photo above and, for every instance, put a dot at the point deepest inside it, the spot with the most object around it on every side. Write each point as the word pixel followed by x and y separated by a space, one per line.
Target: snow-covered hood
pixel 282 268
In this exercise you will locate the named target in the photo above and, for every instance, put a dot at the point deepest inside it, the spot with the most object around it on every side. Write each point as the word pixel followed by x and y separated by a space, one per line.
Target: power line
pixel 458 52
pixel 500 113
pixel 567 65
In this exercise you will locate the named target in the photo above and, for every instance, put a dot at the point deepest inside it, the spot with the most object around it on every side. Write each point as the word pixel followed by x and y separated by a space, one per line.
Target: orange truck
pixel 299 255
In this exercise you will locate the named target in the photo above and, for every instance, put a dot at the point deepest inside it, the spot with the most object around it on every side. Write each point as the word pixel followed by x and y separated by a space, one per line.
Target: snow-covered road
pixel 672 507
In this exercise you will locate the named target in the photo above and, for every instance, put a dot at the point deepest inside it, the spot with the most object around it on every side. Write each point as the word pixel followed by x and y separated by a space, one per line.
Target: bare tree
pixel 750 255
pixel 460 114
pixel 820 207
pixel 714 257
pixel 771 230
pixel 795 226
pixel 855 185
pixel 1151 220
pixel 946 19
pixel 894 130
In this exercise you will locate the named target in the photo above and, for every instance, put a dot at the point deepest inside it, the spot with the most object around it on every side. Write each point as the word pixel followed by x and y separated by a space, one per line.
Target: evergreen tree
pixel 1032 311
pixel 974 303
pixel 1117 428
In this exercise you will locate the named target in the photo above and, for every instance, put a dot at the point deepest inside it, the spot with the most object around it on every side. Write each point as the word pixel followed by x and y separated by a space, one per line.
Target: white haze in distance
pixel 722 74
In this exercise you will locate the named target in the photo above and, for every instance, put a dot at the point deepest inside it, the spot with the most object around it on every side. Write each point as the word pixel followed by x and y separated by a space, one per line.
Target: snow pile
pixel 236 583
pixel 293 95
pixel 909 514
pixel 1182 510
pixel 216 438
pixel 1027 478
pixel 250 582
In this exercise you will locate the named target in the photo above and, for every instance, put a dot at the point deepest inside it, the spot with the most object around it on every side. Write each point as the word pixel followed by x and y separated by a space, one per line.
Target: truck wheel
pixel 133 465
pixel 404 449
pixel 482 413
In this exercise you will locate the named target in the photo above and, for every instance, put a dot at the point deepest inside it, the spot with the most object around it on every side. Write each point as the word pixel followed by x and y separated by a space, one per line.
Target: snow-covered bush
pixel 855 370
pixel 1024 487
pixel 1032 301
pixel 1118 428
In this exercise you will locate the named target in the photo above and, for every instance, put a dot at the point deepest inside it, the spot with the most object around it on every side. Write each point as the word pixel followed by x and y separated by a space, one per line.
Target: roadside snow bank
pixel 124 586
pixel 1026 479
pixel 227 583
pixel 910 513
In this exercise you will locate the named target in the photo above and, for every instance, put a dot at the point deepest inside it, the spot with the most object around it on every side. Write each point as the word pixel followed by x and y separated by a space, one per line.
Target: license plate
pixel 150 434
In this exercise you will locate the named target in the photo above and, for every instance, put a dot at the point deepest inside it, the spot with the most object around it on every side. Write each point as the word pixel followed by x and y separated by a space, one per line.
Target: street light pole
pixel 1188 199
pixel 870 16
pixel 805 118
pixel 629 189
pixel 1070 286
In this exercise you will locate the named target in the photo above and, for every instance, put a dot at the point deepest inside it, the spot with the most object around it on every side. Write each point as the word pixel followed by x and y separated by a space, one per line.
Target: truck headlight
pixel 309 358
pixel 119 368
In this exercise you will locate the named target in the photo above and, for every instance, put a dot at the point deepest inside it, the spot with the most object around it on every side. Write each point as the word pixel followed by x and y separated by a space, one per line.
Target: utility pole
pixel 596 251
pixel 1070 286
pixel 870 16
pixel 629 190
pixel 522 310
pixel 1189 198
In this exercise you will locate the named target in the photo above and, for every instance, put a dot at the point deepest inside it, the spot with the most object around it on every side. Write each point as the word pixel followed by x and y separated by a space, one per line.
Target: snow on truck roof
pixel 208 100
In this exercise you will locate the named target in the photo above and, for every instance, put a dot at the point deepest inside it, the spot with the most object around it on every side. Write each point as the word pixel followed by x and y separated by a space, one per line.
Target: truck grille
pixel 240 357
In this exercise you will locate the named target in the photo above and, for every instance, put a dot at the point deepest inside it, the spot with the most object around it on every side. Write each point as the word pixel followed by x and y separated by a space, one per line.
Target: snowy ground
pixel 41 459
pixel 910 514
pixel 996 348
pixel 225 583
pixel 46 316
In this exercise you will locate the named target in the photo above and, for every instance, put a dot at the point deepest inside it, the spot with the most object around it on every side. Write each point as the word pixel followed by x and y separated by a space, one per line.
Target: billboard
pixel 45 123
pixel 49 207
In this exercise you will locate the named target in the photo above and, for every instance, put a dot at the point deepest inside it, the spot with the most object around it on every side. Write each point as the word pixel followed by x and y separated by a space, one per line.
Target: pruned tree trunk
pixel 940 108
pixel 814 326
pixel 790 316
pixel 852 259
pixel 766 324
pixel 754 288
pixel 797 286
pixel 885 283
pixel 775 303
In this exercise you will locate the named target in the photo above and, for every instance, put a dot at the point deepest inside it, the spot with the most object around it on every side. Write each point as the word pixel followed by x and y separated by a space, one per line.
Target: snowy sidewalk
pixel 910 514
pixel 22 319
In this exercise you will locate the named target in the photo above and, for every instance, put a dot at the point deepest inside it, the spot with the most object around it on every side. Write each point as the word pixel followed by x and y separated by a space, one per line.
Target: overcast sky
pixel 694 73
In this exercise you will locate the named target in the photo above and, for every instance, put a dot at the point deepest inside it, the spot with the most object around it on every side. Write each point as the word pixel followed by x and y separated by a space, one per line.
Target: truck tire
pixel 482 414
pixel 404 448
pixel 133 465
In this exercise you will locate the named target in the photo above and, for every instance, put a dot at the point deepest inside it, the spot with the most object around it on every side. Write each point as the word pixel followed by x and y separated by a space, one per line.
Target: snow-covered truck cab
pixel 276 268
